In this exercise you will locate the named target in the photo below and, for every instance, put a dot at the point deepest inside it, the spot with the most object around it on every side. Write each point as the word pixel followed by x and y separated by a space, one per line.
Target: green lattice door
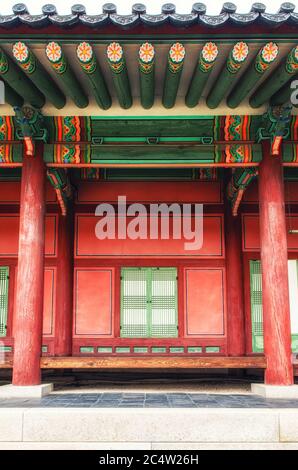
pixel 4 280
pixel 149 303
pixel 257 307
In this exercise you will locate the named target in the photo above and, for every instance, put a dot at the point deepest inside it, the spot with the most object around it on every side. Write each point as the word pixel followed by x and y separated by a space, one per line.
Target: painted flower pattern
pixel 270 52
pixel 296 54
pixel 84 52
pixel 20 51
pixel 240 51
pixel 53 51
pixel 146 52
pixel 210 52
pixel 177 52
pixel 114 52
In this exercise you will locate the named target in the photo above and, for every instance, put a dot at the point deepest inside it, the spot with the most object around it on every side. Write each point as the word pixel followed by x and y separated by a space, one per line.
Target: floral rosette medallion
pixel 266 56
pixel 86 57
pixel 208 56
pixel 146 57
pixel 24 57
pixel 115 57
pixel 55 55
pixel 237 56
pixel 176 57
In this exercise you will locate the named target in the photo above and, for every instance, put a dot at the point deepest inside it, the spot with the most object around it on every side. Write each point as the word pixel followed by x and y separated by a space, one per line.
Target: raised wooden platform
pixel 207 362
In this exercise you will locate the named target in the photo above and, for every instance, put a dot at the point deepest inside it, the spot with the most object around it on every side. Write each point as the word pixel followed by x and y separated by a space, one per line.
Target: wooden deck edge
pixel 249 362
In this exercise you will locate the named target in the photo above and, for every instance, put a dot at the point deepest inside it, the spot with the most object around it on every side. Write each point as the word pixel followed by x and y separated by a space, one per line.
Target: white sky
pixel 124 6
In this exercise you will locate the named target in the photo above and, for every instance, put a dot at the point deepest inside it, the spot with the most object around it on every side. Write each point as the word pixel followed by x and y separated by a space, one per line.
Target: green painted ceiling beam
pixel 228 74
pixel 147 74
pixel 37 74
pixel 283 95
pixel 116 60
pixel 19 82
pixel 92 70
pixel 201 74
pixel 287 69
pixel 67 77
pixel 266 56
pixel 12 97
pixel 174 69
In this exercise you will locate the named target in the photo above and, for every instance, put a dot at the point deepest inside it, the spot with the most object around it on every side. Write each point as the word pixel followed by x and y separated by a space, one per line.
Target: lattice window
pixel 4 280
pixel 257 307
pixel 149 303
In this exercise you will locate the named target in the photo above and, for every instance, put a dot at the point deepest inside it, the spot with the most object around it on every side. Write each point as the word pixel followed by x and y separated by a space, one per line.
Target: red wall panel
pixel 10 192
pixel 251 236
pixel 9 235
pixel 49 301
pixel 144 191
pixel 87 245
pixel 204 301
pixel 251 195
pixel 93 302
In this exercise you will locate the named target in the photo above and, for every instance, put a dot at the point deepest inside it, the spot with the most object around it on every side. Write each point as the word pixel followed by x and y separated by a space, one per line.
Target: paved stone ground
pixel 148 400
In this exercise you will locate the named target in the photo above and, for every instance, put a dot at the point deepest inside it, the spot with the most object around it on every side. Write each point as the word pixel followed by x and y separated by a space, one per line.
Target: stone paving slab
pixel 148 400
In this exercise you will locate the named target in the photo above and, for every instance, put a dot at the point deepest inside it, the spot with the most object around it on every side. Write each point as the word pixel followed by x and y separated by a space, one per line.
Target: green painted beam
pixel 37 74
pixel 11 96
pixel 67 77
pixel 116 60
pixel 283 95
pixel 147 74
pixel 92 69
pixel 240 180
pixel 228 74
pixel 201 74
pixel 287 69
pixel 152 128
pixel 266 56
pixel 174 69
pixel 19 82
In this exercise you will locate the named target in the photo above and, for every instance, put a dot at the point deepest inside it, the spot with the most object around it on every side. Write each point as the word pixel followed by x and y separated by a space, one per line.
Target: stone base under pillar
pixel 288 392
pixel 30 391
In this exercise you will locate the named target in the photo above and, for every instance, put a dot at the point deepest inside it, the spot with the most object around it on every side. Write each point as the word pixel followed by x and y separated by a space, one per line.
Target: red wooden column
pixel 234 274
pixel 274 258
pixel 64 290
pixel 30 278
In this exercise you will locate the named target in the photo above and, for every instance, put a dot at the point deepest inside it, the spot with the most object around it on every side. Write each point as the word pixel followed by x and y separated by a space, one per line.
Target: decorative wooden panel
pixel 94 290
pixel 49 301
pixel 251 195
pixel 10 192
pixel 9 235
pixel 4 283
pixel 204 301
pixel 146 192
pixel 87 245
pixel 251 237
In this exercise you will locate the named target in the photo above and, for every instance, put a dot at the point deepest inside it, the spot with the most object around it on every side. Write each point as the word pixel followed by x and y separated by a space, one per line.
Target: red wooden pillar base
pixel 30 279
pixel 234 273
pixel 64 291
pixel 274 258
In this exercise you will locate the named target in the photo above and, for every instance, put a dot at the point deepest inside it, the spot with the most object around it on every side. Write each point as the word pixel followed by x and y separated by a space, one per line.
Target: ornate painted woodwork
pixel 37 74
pixel 230 129
pixel 116 61
pixel 68 130
pixel 239 182
pixel 147 74
pixel 60 65
pixel 59 179
pixel 7 133
pixel 90 65
pixel 205 64
pixel 19 82
pixel 265 58
pixel 228 74
pixel 174 69
pixel 287 69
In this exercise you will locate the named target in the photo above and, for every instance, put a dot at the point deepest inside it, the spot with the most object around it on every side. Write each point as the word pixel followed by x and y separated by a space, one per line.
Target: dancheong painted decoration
pixel 170 111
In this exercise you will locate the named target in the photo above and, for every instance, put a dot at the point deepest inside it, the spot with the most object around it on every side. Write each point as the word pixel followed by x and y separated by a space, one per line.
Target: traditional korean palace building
pixel 168 108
